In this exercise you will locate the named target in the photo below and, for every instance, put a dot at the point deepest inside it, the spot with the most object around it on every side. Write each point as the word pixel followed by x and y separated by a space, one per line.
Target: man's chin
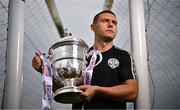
pixel 107 39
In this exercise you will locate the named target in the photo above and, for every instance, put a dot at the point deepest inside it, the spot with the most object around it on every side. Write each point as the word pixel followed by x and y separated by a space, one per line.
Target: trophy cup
pixel 68 64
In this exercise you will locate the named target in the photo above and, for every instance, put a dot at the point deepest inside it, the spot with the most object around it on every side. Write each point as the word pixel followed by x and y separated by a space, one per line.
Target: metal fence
pixel 3 40
pixel 163 37
pixel 163 25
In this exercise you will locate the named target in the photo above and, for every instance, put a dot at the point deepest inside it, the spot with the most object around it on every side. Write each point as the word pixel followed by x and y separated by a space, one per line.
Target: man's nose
pixel 110 24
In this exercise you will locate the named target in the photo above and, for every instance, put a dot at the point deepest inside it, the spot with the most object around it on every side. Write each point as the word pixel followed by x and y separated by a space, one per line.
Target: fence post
pixel 13 84
pixel 139 49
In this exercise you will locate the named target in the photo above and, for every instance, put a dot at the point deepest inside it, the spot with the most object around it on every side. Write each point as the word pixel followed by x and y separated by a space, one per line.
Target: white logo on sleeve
pixel 113 63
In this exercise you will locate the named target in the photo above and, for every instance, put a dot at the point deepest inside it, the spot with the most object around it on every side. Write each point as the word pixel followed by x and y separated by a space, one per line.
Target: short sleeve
pixel 127 67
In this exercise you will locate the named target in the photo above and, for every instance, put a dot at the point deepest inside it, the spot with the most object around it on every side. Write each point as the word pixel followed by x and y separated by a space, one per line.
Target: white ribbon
pixel 92 64
pixel 47 83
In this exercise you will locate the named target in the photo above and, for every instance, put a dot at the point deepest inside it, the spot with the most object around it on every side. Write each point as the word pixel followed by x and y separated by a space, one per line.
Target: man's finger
pixel 36 62
pixel 83 87
pixel 86 96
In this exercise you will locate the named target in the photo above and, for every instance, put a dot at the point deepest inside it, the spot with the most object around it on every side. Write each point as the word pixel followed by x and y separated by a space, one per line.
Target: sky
pixel 77 15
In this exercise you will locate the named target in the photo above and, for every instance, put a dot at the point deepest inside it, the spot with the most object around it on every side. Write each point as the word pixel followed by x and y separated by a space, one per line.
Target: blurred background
pixel 162 22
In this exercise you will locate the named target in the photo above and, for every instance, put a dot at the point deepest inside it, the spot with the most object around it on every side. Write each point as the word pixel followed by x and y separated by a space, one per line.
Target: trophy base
pixel 70 94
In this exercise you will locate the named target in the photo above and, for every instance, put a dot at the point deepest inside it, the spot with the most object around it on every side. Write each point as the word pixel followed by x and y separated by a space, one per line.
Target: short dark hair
pixel 104 11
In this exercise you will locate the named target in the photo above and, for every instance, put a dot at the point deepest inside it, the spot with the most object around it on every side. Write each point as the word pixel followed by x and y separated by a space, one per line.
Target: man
pixel 113 81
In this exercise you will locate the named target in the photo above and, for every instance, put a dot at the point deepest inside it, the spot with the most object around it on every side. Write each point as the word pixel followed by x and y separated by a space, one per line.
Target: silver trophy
pixel 68 57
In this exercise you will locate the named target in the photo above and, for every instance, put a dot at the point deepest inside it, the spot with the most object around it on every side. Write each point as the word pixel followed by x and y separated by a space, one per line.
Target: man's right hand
pixel 36 63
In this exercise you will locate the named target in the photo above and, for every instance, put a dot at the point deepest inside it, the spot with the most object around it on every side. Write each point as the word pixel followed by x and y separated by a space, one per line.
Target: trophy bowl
pixel 68 65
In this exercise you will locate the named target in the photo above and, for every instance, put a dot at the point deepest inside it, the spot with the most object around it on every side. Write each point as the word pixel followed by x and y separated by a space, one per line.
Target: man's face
pixel 106 27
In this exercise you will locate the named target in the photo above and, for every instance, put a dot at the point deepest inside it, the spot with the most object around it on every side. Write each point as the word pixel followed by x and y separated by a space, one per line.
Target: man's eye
pixel 104 20
pixel 114 22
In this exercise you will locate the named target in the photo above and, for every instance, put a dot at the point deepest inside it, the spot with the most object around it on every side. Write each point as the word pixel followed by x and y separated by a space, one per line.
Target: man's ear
pixel 92 27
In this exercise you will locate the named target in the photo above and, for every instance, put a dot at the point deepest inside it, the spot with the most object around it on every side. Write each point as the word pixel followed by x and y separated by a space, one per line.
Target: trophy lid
pixel 69 40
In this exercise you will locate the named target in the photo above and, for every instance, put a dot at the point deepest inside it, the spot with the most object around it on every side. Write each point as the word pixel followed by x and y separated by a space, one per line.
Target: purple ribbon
pixel 90 67
pixel 46 82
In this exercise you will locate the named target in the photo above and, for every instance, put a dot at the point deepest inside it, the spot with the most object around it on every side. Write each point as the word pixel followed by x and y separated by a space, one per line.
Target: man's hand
pixel 88 91
pixel 36 63
pixel 127 91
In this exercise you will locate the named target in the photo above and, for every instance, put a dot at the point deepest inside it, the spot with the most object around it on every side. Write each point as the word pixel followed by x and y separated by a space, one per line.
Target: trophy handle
pixel 100 57
pixel 97 53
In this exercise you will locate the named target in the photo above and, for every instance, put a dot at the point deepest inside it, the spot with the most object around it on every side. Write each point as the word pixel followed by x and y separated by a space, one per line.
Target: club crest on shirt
pixel 113 63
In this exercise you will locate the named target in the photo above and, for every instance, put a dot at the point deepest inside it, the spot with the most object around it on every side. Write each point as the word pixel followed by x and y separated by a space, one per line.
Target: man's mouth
pixel 109 31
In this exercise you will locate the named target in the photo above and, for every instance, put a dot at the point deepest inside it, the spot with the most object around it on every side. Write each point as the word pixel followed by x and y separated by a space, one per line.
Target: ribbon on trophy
pixel 46 82
pixel 92 63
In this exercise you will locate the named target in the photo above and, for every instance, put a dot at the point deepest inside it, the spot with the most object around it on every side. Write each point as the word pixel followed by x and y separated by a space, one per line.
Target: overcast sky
pixel 77 15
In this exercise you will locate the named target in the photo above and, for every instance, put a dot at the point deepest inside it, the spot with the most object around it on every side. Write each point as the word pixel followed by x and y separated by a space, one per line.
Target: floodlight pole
pixel 107 4
pixel 13 84
pixel 139 49
pixel 55 16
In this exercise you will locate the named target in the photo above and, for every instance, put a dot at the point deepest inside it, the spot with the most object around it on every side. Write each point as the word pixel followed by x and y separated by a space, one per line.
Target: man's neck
pixel 103 46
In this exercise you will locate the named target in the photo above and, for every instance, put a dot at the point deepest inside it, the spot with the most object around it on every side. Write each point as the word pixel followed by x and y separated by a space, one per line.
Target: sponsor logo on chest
pixel 113 63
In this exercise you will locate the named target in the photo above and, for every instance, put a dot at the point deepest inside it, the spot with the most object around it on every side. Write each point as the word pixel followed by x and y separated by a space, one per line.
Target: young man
pixel 113 81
